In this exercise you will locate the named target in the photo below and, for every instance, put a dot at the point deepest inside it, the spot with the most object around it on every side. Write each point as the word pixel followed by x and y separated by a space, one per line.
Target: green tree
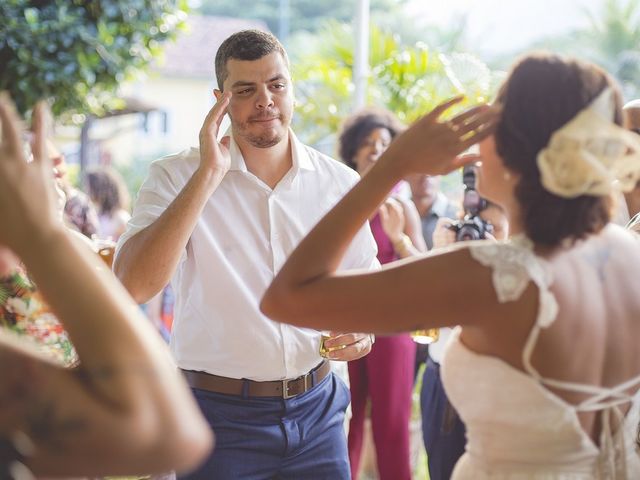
pixel 76 52
pixel 409 80
pixel 305 15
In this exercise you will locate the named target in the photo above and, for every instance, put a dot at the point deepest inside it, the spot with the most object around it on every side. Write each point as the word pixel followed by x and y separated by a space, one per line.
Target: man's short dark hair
pixel 246 45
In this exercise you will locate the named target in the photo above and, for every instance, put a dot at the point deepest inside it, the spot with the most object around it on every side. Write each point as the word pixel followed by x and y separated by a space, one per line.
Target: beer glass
pixel 324 350
pixel 106 249
pixel 426 336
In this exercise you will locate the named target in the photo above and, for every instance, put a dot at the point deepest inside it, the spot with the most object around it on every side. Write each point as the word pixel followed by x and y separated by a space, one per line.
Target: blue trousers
pixel 271 438
pixel 442 430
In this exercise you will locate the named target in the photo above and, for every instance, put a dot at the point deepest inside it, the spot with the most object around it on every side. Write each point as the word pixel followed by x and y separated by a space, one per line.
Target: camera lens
pixel 469 230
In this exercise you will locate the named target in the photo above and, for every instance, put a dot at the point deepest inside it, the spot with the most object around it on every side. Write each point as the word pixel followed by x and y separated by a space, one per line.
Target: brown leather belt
pixel 287 388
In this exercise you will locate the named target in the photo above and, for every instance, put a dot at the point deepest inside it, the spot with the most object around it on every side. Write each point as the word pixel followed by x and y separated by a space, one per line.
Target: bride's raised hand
pixel 433 146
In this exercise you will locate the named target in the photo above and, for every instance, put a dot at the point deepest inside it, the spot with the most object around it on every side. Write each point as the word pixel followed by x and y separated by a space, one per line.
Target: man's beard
pixel 267 139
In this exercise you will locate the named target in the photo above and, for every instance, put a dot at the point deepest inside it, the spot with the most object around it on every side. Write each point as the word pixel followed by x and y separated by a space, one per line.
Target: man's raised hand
pixel 214 154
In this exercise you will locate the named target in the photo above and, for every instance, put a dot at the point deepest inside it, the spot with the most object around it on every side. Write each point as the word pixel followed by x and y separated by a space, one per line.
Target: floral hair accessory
pixel 591 155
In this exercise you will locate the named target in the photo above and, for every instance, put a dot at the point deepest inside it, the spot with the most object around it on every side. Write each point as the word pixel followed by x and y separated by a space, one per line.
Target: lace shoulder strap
pixel 514 264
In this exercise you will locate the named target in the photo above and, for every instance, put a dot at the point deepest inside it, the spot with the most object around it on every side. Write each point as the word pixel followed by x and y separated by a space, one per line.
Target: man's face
pixel 262 99
pixel 423 186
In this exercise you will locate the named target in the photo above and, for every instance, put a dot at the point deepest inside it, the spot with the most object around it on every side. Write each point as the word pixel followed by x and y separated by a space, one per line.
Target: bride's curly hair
pixel 542 93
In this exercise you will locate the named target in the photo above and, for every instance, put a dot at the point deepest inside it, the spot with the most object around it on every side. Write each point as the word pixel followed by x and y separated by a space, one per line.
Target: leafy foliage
pixel 76 52
pixel 407 79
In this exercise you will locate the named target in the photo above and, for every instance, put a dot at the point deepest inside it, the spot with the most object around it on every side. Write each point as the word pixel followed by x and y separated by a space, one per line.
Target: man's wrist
pixel 209 177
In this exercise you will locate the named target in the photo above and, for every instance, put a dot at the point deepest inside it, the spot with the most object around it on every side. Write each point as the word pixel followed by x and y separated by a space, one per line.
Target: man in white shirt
pixel 219 223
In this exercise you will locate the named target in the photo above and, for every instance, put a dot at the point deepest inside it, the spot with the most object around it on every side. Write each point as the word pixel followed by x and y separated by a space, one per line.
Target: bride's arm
pixel 126 409
pixel 309 292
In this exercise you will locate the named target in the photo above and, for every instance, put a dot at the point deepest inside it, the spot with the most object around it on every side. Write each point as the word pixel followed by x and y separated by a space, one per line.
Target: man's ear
pixel 217 93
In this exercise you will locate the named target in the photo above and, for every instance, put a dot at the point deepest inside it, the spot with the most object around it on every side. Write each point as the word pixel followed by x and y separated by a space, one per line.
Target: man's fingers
pixel 225 141
pixel 352 351
pixel 10 125
pixel 214 117
pixel 344 339
pixel 223 112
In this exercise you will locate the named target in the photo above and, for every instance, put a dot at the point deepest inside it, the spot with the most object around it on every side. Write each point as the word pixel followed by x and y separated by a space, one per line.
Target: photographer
pixel 492 216
pixel 442 430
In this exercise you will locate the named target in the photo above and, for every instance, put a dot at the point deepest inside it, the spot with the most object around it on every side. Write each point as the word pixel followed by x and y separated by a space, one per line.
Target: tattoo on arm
pixel 30 411
pixel 47 427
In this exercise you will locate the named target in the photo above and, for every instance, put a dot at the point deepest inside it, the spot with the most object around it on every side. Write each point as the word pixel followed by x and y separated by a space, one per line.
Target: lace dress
pixel 516 427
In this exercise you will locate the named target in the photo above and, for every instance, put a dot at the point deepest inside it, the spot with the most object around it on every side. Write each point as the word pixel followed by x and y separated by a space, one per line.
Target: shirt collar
pixel 300 156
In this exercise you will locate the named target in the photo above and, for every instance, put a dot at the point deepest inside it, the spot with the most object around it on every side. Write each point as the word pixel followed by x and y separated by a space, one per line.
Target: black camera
pixel 471 227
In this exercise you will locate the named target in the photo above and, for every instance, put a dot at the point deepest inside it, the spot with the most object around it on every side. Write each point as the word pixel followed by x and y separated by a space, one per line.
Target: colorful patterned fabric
pixel 24 312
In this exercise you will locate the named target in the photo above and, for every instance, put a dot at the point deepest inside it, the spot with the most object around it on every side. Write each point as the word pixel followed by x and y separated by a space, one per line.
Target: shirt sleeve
pixel 363 251
pixel 155 195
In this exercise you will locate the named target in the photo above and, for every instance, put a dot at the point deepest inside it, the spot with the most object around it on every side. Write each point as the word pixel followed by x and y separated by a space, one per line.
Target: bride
pixel 544 368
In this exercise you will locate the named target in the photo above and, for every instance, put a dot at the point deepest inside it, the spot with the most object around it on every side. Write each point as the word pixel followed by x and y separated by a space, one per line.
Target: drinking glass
pixel 426 336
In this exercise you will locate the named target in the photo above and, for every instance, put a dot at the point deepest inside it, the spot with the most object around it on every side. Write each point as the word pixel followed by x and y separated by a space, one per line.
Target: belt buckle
pixel 285 386
pixel 285 389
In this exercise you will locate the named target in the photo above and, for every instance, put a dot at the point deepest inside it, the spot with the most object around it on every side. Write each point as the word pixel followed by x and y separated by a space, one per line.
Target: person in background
pixel 108 193
pixel 385 376
pixel 218 222
pixel 79 212
pixel 124 409
pixel 431 203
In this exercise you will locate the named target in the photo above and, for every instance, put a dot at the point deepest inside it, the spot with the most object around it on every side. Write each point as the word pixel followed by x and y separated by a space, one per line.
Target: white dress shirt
pixel 243 237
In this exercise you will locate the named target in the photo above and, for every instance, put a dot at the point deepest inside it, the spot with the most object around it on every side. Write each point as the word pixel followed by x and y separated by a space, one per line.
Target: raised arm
pixel 308 292
pixel 146 262
pixel 125 409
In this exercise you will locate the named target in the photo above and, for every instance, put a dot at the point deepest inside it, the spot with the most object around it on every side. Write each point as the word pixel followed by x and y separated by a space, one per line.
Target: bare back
pixel 594 338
